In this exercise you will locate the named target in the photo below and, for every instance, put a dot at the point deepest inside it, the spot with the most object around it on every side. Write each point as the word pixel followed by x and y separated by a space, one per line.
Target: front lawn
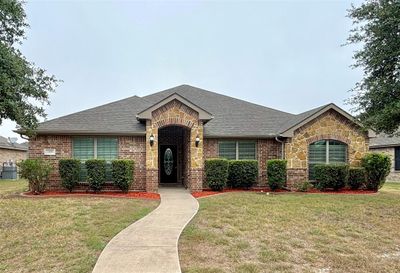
pixel 60 234
pixel 254 232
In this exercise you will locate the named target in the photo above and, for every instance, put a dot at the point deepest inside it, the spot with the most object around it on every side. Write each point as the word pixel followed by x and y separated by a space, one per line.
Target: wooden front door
pixel 168 164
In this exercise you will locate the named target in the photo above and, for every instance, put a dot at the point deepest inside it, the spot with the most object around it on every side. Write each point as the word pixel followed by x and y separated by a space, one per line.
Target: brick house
pixel 391 147
pixel 14 152
pixel 170 133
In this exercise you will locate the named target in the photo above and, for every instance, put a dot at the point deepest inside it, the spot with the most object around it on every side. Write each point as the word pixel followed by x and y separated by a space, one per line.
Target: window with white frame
pixel 324 152
pixel 237 150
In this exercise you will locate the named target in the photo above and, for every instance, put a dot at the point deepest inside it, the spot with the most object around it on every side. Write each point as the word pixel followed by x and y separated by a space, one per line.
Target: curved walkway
pixel 151 243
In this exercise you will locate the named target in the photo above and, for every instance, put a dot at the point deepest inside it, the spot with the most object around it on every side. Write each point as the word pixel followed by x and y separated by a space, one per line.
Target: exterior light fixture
pixel 197 141
pixel 151 139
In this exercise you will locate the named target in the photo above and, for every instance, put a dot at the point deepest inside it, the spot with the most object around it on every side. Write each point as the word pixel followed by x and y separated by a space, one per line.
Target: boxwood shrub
pixel 216 173
pixel 242 173
pixel 357 178
pixel 96 173
pixel 331 176
pixel 122 173
pixel 276 173
pixel 69 172
pixel 377 168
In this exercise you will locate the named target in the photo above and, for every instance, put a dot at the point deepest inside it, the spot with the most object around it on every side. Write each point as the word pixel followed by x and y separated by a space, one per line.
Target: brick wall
pixel 63 147
pixel 14 155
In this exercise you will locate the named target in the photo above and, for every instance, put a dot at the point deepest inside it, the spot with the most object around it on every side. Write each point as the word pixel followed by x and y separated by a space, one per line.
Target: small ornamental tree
pixel 242 173
pixel 96 173
pixel 276 173
pixel 122 173
pixel 37 172
pixel 377 168
pixel 69 172
pixel 216 173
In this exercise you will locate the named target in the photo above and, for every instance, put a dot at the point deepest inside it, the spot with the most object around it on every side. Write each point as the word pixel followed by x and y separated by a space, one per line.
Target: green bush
pixel 216 173
pixel 331 176
pixel 96 173
pixel 357 178
pixel 303 186
pixel 276 173
pixel 377 168
pixel 242 173
pixel 37 172
pixel 69 172
pixel 122 173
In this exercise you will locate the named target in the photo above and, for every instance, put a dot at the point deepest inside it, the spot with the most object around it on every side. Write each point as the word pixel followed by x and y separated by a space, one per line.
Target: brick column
pixel 196 160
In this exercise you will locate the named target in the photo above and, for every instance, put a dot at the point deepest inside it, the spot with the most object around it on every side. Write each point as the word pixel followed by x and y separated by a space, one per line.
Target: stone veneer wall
pixel 394 176
pixel 330 125
pixel 129 147
pixel 175 113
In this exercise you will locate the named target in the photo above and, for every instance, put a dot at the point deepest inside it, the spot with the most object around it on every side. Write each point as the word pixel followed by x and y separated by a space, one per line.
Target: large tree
pixel 24 87
pixel 377 96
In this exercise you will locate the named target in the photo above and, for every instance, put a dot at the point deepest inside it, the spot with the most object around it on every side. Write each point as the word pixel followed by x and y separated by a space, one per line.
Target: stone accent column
pixel 151 158
pixel 196 160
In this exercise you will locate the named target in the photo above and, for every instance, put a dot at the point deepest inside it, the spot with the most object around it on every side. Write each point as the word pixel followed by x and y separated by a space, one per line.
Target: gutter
pixel 282 147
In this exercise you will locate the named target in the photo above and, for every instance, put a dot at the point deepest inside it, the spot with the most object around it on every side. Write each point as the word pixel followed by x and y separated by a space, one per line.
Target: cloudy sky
pixel 286 55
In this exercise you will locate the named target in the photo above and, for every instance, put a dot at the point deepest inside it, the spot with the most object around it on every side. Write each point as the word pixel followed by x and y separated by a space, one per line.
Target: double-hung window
pixel 237 150
pixel 85 148
pixel 325 152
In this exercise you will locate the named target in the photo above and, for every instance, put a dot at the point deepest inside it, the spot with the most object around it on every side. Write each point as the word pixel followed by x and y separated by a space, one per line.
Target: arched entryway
pixel 173 155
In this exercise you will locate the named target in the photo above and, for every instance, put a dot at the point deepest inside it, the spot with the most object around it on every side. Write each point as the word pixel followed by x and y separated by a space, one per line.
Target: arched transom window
pixel 324 152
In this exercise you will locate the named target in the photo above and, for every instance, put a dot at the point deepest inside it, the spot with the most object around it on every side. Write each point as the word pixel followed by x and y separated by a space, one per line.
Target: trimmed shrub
pixel 122 173
pixel 303 186
pixel 357 178
pixel 242 173
pixel 69 172
pixel 37 172
pixel 331 176
pixel 276 173
pixel 216 173
pixel 96 173
pixel 377 167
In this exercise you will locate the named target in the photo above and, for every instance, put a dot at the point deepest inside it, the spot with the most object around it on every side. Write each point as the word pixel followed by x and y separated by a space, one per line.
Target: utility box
pixel 9 172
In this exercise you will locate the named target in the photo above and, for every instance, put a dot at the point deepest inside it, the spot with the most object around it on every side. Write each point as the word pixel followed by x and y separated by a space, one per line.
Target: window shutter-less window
pixel 316 155
pixel 247 150
pixel 107 148
pixel 83 148
pixel 337 152
pixel 397 158
pixel 227 149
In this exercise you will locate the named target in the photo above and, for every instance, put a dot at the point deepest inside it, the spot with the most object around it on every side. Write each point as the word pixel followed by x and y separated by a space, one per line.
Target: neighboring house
pixel 391 147
pixel 14 152
pixel 170 133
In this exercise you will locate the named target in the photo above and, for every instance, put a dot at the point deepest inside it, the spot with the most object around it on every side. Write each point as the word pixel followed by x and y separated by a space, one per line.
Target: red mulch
pixel 142 195
pixel 343 191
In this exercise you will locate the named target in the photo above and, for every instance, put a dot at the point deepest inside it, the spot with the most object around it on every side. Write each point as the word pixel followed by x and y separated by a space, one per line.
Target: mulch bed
pixel 205 193
pixel 140 195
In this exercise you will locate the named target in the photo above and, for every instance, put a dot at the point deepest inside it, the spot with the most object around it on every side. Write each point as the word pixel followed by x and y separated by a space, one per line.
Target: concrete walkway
pixel 151 243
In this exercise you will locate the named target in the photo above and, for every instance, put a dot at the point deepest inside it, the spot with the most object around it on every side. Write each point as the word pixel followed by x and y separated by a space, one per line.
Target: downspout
pixel 282 147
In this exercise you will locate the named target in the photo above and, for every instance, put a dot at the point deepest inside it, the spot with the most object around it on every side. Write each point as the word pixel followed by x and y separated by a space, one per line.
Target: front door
pixel 168 164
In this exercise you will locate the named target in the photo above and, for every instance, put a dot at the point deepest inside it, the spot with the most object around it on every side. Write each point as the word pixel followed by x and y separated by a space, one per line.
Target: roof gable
pixel 147 113
pixel 306 117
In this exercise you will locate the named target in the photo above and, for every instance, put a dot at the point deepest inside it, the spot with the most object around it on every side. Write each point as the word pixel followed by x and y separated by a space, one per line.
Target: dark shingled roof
pixel 5 144
pixel 382 141
pixel 232 117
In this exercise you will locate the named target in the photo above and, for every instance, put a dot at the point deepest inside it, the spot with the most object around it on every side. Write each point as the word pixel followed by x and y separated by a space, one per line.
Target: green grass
pixel 8 187
pixel 253 232
pixel 59 234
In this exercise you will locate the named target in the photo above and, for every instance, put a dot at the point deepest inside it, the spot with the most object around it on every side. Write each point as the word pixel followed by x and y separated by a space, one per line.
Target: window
pixel 325 152
pixel 397 158
pixel 85 148
pixel 237 150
